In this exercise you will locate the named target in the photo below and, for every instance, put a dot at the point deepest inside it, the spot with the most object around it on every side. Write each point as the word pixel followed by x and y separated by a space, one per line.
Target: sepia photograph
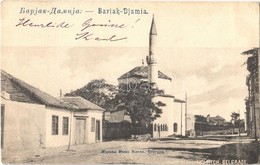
pixel 130 82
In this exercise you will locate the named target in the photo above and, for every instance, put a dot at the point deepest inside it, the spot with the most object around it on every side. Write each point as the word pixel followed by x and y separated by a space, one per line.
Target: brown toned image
pixel 139 82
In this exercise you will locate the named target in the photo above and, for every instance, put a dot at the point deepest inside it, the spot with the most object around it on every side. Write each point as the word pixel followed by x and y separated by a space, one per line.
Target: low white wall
pixel 24 125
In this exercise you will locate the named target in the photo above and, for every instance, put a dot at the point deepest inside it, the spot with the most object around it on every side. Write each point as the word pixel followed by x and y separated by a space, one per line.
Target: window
pixel 155 127
pixel 92 124
pixel 161 127
pixel 158 125
pixel 175 127
pixel 55 125
pixel 65 126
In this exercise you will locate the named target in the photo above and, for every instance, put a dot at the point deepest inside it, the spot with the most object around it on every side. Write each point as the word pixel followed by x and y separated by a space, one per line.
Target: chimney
pixel 60 92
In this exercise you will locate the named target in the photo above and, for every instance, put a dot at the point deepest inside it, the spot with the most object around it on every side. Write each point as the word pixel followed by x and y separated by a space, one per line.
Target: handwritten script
pixel 86 31
pixel 87 35
pixel 28 23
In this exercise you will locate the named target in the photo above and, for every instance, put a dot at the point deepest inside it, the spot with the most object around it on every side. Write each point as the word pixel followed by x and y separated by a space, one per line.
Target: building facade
pixel 87 121
pixel 252 115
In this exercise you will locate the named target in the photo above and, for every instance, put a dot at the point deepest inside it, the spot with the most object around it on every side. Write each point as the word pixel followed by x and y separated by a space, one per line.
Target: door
pixel 97 130
pixel 80 131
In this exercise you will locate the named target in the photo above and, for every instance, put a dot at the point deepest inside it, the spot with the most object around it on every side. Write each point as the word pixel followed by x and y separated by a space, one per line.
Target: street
pixel 128 152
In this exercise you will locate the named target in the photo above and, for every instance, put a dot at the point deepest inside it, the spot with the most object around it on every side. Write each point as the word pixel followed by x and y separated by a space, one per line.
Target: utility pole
pixel 258 58
pixel 254 115
pixel 186 114
pixel 258 69
pixel 181 118
pixel 70 131
pixel 258 74
pixel 239 123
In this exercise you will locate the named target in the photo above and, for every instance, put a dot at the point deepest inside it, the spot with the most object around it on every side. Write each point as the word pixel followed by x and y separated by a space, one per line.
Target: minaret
pixel 151 61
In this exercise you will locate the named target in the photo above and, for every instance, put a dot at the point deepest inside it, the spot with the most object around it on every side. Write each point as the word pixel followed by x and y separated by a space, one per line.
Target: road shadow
pixel 237 151
pixel 189 153
pixel 234 151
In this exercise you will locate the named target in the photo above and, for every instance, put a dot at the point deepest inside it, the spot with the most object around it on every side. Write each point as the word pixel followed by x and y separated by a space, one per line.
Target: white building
pixel 31 118
pixel 172 120
pixel 87 120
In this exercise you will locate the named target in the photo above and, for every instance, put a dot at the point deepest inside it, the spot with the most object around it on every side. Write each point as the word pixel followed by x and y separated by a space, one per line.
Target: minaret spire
pixel 153 28
pixel 152 38
pixel 151 60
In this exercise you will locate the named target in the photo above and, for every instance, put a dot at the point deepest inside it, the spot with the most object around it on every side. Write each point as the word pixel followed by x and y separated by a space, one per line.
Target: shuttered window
pixel 92 124
pixel 65 126
pixel 175 127
pixel 55 125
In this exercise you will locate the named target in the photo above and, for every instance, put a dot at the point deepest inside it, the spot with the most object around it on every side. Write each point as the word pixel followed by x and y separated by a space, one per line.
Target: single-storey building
pixel 87 120
pixel 31 118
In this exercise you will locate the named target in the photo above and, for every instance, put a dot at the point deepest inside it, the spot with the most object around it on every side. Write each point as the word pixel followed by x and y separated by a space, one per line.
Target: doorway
pixel 80 131
pixel 97 130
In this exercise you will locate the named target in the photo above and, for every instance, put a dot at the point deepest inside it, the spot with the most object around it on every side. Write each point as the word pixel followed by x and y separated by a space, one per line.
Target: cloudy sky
pixel 199 46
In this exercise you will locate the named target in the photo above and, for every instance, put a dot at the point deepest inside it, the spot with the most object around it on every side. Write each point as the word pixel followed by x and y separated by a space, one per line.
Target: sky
pixel 199 46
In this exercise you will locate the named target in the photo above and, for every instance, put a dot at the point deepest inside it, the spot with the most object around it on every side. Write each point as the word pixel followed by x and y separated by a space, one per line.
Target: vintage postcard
pixel 129 82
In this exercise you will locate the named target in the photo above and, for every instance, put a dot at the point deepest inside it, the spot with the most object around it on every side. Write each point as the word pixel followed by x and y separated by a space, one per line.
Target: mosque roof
pixel 142 72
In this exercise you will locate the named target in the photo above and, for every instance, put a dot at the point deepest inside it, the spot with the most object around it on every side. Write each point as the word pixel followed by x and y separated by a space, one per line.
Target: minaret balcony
pixel 151 60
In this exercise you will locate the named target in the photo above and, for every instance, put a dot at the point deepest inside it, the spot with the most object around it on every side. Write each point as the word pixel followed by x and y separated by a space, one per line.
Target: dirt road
pixel 121 152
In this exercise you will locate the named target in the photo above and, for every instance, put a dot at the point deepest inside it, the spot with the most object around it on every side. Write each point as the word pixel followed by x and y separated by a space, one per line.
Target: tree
pixel 235 120
pixel 136 100
pixel 201 124
pixel 200 118
pixel 97 91
pixel 234 117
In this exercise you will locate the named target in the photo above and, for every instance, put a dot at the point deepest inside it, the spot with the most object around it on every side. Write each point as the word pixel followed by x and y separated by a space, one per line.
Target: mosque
pixel 172 121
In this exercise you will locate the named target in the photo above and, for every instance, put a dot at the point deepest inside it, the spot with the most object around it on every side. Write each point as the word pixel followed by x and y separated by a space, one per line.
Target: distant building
pixel 171 121
pixel 217 120
pixel 213 125
pixel 252 115
pixel 117 125
pixel 31 118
